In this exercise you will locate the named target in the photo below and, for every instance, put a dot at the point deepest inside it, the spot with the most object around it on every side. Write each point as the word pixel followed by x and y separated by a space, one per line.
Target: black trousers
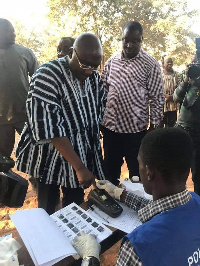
pixel 7 137
pixel 48 196
pixel 119 145
pixel 195 167
pixel 169 119
pixel 196 161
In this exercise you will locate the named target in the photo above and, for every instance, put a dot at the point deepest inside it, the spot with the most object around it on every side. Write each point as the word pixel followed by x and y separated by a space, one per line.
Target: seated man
pixel 170 233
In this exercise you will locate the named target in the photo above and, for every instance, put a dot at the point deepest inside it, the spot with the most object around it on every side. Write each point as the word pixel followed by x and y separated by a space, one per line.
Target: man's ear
pixel 150 173
pixel 70 52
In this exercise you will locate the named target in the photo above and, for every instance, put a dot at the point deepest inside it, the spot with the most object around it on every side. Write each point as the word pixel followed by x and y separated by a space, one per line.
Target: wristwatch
pixel 154 126
pixel 90 261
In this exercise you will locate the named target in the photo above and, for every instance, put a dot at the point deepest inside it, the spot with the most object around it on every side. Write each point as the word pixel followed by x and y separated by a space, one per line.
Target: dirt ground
pixel 7 227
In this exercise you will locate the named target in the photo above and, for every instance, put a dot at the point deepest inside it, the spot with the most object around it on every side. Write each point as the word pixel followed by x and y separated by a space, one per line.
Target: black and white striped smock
pixel 56 107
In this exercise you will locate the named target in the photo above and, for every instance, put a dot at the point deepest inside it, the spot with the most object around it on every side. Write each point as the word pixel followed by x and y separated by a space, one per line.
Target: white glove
pixel 112 190
pixel 86 245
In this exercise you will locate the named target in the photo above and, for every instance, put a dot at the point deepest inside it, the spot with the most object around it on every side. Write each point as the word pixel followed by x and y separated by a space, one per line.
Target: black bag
pixel 13 189
pixel 6 163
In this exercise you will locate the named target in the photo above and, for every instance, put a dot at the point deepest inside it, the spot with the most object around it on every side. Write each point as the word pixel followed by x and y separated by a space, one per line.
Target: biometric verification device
pixel 105 202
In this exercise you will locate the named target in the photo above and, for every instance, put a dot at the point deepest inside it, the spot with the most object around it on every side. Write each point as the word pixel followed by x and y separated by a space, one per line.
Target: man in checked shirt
pixel 170 230
pixel 134 84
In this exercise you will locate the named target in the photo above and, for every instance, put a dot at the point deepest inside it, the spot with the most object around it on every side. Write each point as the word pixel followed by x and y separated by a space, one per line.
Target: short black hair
pixel 133 26
pixel 72 40
pixel 169 150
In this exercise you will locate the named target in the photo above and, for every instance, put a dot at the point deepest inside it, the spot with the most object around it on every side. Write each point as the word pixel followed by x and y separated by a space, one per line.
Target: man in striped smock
pixel 60 142
pixel 135 92
pixel 171 80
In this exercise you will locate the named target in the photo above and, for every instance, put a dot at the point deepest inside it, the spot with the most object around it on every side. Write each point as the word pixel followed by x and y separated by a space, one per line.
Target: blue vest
pixel 171 238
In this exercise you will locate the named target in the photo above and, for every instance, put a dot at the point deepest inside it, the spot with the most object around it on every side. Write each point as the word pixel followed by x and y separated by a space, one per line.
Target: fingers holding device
pixel 114 191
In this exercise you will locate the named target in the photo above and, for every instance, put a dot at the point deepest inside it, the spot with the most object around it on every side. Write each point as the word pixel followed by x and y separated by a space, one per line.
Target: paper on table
pixel 73 219
pixel 49 245
pixel 127 221
pixel 136 188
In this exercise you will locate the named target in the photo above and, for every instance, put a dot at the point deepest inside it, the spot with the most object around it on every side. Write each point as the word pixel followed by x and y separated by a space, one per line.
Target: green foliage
pixel 167 26
pixel 28 39
pixel 166 23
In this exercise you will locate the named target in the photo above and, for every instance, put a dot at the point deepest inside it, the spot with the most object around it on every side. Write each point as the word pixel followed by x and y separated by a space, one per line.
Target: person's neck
pixel 5 46
pixel 129 58
pixel 168 72
pixel 167 190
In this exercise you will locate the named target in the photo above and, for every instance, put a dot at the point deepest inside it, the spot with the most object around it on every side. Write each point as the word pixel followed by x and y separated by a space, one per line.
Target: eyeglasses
pixel 95 69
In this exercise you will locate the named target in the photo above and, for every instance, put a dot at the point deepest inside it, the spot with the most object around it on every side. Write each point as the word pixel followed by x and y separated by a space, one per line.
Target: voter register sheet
pixel 47 238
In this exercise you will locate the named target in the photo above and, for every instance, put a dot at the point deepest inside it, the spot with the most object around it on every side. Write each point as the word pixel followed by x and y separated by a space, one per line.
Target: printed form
pixel 47 238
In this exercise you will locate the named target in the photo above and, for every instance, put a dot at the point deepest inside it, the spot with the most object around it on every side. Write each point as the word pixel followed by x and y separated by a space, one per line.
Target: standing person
pixel 60 144
pixel 17 64
pixel 188 93
pixel 64 45
pixel 171 80
pixel 63 49
pixel 134 84
pixel 170 230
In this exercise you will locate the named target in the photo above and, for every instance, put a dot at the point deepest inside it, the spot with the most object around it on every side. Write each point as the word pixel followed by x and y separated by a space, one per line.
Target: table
pixel 25 259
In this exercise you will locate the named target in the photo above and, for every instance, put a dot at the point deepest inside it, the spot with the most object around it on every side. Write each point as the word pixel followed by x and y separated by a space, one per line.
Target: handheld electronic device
pixel 105 202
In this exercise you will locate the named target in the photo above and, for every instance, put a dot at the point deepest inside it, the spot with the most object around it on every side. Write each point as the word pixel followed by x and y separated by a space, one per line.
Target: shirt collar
pixel 161 205
pixel 139 55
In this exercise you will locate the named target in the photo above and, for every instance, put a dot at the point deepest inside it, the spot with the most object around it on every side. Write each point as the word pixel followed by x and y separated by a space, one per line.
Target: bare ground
pixel 7 227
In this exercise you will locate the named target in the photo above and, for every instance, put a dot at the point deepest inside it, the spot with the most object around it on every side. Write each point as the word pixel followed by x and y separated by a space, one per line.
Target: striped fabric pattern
pixel 58 106
pixel 170 84
pixel 135 93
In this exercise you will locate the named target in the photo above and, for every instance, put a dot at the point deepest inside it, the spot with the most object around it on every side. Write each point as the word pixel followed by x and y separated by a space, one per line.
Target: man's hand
pixel 112 190
pixel 85 177
pixel 86 245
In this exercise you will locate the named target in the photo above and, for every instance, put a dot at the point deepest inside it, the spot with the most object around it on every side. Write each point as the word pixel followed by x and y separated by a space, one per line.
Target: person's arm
pixel 127 255
pixel 182 88
pixel 63 145
pixel 32 63
pixel 180 92
pixel 88 248
pixel 156 95
pixel 47 124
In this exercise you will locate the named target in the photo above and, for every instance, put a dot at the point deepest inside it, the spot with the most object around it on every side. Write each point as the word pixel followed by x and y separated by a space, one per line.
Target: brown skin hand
pixel 63 145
